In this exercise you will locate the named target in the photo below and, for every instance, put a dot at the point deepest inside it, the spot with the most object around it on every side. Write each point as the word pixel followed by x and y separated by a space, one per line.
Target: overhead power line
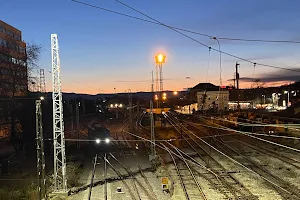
pixel 186 30
pixel 201 43
pixel 176 29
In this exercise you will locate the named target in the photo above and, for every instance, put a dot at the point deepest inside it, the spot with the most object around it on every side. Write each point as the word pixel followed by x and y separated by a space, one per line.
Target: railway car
pixel 99 137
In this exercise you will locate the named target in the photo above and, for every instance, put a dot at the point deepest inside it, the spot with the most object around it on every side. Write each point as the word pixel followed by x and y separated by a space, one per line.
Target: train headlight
pixel 97 141
pixel 107 140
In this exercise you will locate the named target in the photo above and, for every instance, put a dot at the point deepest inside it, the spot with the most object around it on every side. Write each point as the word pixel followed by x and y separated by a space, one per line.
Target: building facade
pixel 213 100
pixel 13 75
pixel 13 67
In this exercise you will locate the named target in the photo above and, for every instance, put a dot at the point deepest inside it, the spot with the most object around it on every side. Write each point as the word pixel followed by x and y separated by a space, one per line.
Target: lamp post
pixel 160 59
pixel 220 63
pixel 214 38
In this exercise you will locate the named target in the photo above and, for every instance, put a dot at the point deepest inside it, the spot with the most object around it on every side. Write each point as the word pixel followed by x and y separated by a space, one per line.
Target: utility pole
pixel 77 124
pixel 234 80
pixel 60 178
pixel 83 106
pixel 130 110
pixel 41 171
pixel 153 153
pixel 138 114
pixel 72 122
pixel 237 76
pixel 105 176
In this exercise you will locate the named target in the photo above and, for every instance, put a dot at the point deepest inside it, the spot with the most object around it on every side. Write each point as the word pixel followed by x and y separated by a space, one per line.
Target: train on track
pixel 99 137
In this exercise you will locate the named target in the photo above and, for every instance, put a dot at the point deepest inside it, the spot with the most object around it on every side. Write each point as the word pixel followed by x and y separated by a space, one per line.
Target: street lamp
pixel 160 58
pixel 215 38
pixel 175 92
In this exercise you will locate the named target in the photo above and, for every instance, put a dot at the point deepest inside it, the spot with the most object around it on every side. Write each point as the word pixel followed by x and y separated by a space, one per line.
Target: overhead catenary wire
pixel 197 41
pixel 248 134
pixel 233 160
pixel 201 43
pixel 186 30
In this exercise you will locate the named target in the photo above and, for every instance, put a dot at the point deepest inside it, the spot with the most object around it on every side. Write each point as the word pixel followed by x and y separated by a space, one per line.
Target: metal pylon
pixel 41 168
pixel 152 122
pixel 130 110
pixel 152 130
pixel 157 78
pixel 42 81
pixel 161 84
pixel 60 181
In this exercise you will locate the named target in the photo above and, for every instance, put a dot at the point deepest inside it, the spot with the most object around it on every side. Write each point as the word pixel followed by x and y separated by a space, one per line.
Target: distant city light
pixel 175 92
pixel 107 140
pixel 121 105
pixel 42 98
pixel 97 141
pixel 116 105
pixel 164 94
pixel 111 105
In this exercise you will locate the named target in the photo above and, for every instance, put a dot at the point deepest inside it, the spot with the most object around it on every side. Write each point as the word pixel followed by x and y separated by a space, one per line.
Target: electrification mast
pixel 41 171
pixel 60 181
pixel 42 81
pixel 152 123
pixel 130 110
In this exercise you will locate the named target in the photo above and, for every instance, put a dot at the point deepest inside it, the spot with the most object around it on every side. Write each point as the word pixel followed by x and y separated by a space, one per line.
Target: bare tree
pixel 19 61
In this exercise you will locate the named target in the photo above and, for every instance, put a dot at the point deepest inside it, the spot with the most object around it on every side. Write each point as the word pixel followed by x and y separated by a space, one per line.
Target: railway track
pixel 120 134
pixel 185 175
pixel 229 186
pixel 284 188
pixel 96 158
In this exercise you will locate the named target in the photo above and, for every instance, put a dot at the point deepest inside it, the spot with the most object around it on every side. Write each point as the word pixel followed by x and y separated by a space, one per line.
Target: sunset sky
pixel 101 51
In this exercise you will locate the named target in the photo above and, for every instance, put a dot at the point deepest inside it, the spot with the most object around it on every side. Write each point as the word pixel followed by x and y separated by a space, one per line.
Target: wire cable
pixel 233 160
pixel 201 43
pixel 185 35
pixel 186 30
pixel 247 134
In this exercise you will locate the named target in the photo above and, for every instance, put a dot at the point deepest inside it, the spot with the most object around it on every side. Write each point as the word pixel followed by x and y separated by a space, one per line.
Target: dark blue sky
pixel 100 49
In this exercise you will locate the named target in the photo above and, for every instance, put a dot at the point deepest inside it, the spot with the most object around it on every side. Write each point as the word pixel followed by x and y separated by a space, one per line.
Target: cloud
pixel 277 76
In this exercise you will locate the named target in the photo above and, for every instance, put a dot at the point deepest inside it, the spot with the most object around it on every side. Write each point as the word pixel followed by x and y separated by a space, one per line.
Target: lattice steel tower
pixel 42 81
pixel 60 180
pixel 41 171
